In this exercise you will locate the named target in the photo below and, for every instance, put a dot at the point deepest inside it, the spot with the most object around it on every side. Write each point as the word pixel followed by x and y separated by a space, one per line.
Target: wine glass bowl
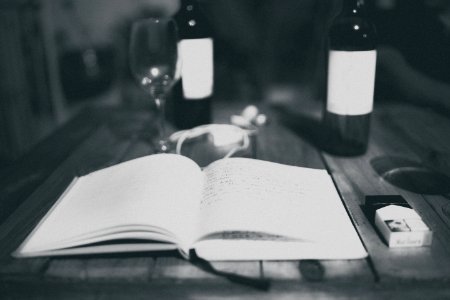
pixel 153 62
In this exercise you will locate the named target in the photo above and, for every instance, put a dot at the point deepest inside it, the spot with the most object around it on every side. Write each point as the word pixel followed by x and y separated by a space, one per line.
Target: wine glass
pixel 154 62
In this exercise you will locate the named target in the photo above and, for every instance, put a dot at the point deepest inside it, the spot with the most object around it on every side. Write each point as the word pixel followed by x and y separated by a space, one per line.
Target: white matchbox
pixel 402 227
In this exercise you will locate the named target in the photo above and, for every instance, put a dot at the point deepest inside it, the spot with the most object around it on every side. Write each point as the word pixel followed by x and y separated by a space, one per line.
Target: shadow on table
pixel 306 126
pixel 259 283
pixel 417 177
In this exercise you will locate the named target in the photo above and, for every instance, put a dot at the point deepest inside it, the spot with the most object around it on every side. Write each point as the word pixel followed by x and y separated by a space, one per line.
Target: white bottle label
pixel 351 80
pixel 197 70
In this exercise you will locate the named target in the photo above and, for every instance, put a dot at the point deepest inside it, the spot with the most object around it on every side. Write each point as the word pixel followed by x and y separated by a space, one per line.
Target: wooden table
pixel 105 136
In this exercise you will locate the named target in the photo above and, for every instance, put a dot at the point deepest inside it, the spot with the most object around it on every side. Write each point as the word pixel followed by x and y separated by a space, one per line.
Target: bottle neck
pixel 191 21
pixel 352 7
pixel 189 6
pixel 352 29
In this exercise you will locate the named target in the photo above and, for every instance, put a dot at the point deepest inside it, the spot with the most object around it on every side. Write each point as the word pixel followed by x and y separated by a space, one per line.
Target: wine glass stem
pixel 160 107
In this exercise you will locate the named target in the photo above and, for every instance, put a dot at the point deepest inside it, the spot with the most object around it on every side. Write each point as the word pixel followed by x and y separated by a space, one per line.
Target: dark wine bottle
pixel 193 93
pixel 351 78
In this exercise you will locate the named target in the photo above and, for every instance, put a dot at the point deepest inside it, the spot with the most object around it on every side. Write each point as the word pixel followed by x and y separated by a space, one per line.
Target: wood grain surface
pixel 100 138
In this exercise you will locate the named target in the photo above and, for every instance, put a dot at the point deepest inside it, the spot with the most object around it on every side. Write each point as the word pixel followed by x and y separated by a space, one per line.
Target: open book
pixel 234 209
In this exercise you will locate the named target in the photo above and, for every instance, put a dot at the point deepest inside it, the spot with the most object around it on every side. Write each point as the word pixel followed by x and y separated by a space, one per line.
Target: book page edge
pixel 18 252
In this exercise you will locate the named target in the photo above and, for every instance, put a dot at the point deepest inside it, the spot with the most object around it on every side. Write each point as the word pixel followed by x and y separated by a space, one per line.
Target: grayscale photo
pixel 224 149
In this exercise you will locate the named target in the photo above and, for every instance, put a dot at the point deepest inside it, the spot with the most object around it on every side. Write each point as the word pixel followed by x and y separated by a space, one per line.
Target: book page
pixel 156 193
pixel 249 201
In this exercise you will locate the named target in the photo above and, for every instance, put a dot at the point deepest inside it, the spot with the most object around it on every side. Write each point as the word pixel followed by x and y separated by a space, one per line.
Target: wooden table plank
pixel 420 143
pixel 426 263
pixel 426 133
pixel 174 268
pixel 356 178
pixel 104 147
pixel 428 138
pixel 102 269
pixel 19 180
pixel 411 273
pixel 49 289
pixel 319 271
pixel 274 138
pixel 31 211
pixel 23 267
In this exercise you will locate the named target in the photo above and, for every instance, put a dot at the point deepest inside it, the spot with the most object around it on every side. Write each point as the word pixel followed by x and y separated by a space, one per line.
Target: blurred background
pixel 59 56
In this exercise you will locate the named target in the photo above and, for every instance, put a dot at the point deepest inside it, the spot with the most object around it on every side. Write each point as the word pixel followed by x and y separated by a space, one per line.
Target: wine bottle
pixel 193 93
pixel 351 79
